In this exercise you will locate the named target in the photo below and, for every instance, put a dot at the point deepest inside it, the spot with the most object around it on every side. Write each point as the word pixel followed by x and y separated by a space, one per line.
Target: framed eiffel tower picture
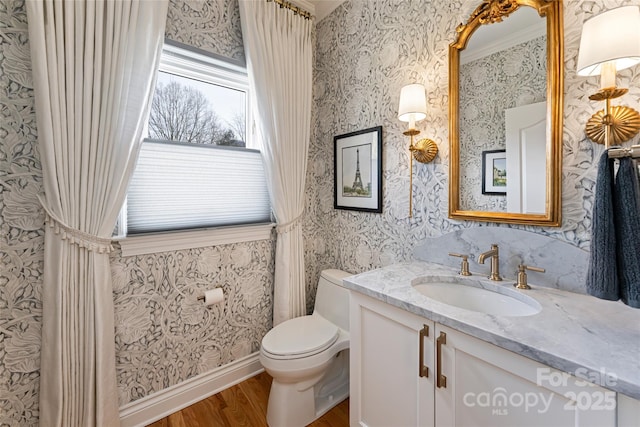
pixel 358 170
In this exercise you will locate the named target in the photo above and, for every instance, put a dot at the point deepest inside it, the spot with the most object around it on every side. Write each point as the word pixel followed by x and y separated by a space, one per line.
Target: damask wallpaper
pixel 212 25
pixel 509 78
pixel 366 50
pixel 165 336
pixel 21 225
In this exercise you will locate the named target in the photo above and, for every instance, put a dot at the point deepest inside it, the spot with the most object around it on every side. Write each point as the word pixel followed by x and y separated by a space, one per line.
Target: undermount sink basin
pixel 474 295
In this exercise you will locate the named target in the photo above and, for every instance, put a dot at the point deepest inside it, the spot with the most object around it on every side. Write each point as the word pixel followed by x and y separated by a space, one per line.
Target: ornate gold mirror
pixel 505 113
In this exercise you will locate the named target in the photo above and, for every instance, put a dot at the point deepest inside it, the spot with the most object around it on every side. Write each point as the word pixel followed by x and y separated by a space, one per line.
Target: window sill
pixel 190 239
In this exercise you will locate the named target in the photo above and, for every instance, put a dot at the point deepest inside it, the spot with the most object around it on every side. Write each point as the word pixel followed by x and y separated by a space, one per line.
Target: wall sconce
pixel 611 42
pixel 412 109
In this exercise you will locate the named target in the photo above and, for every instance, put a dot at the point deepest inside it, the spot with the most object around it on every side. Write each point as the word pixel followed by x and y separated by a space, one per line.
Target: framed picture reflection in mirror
pixel 494 172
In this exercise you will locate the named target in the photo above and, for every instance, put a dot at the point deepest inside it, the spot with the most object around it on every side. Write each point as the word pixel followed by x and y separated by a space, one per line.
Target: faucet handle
pixel 464 266
pixel 521 282
pixel 529 267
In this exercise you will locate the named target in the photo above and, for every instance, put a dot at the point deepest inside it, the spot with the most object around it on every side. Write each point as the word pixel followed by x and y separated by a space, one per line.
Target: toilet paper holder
pixel 212 296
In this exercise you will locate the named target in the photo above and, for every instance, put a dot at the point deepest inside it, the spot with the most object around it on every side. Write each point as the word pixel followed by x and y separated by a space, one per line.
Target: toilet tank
pixel 332 299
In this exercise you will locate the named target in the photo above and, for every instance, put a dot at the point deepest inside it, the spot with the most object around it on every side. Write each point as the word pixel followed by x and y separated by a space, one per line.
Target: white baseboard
pixel 172 399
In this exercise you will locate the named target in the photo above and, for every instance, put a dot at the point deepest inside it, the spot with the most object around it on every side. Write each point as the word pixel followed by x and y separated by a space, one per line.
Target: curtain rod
pixel 616 153
pixel 298 11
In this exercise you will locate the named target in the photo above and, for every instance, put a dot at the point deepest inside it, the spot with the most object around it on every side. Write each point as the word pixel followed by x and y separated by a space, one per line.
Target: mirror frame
pixel 489 12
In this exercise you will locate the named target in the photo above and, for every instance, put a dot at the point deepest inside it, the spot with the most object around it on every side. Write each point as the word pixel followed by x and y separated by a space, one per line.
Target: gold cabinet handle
pixel 423 370
pixel 441 380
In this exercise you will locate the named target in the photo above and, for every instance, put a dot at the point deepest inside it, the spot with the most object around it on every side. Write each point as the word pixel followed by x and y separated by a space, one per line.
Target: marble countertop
pixel 573 333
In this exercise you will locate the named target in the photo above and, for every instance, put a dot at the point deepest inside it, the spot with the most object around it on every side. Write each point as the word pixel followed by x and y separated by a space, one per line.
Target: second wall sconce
pixel 412 109
pixel 610 42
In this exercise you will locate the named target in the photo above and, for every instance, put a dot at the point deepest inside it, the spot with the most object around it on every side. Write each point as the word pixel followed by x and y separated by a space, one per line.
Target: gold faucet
pixel 495 262
pixel 464 265
pixel 521 283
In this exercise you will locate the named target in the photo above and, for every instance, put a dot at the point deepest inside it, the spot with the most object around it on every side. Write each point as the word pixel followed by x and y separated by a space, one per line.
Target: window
pixel 198 111
pixel 196 169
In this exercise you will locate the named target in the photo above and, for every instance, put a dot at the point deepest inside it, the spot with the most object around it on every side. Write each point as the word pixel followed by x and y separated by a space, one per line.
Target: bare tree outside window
pixel 237 124
pixel 183 113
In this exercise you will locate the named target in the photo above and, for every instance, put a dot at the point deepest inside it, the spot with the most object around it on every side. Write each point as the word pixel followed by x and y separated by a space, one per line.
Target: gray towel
pixel 602 275
pixel 627 223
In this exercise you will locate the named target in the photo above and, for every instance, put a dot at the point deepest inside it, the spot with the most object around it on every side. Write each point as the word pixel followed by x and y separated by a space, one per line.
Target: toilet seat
pixel 300 337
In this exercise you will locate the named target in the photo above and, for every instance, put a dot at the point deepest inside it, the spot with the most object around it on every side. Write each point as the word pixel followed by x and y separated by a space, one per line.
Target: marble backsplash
pixel 565 264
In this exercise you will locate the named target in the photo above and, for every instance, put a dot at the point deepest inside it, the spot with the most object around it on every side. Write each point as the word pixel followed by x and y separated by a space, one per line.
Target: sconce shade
pixel 413 103
pixel 612 36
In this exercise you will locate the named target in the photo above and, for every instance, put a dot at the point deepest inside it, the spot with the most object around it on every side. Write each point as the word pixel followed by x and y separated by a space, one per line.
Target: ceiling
pixel 325 7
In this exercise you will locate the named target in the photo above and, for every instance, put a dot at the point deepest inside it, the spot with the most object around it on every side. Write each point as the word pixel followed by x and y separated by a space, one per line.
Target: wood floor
pixel 244 404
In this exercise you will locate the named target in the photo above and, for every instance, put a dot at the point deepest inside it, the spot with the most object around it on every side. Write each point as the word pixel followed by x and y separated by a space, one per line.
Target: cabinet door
pixel 493 387
pixel 386 387
pixel 628 411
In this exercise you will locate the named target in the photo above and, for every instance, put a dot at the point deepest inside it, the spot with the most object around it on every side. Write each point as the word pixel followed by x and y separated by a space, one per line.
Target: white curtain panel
pixel 94 68
pixel 278 49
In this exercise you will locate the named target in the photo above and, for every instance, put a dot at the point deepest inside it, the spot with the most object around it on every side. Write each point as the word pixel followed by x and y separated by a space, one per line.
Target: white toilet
pixel 308 357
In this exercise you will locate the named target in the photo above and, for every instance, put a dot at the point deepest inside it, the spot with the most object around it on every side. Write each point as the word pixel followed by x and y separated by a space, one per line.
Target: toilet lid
pixel 302 335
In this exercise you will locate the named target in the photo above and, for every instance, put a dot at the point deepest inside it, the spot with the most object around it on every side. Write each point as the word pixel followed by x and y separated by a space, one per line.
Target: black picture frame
pixel 357 159
pixel 494 172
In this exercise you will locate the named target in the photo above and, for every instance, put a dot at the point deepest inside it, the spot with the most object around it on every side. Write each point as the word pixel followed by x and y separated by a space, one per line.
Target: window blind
pixel 180 186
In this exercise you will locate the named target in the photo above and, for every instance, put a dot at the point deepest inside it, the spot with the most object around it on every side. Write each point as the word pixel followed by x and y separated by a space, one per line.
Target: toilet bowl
pixel 308 357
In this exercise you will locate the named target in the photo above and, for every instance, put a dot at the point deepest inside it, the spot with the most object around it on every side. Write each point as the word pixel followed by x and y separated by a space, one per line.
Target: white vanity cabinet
pixel 485 385
pixel 386 388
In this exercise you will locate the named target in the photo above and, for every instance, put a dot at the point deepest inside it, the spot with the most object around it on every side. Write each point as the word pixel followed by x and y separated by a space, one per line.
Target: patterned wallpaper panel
pixel 21 225
pixel 165 336
pixel 509 78
pixel 212 25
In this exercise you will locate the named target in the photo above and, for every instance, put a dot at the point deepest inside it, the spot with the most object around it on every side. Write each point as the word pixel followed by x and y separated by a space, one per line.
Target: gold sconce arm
pixel 613 125
pixel 425 150
pixel 411 133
